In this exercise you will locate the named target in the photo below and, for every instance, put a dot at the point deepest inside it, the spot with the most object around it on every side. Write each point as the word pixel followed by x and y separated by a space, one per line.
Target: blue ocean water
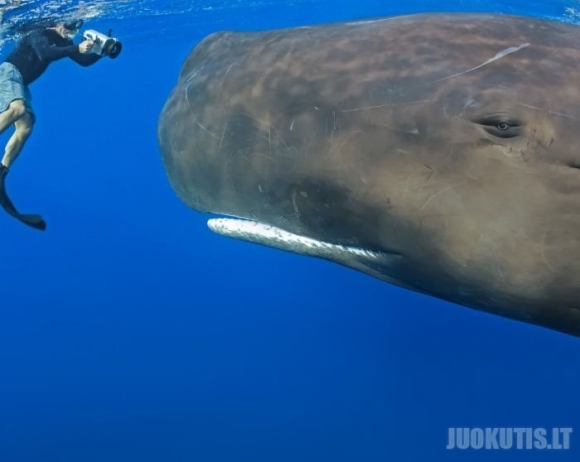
pixel 130 332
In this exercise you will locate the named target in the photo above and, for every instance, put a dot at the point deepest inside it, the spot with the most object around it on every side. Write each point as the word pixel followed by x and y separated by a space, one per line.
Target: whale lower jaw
pixel 370 262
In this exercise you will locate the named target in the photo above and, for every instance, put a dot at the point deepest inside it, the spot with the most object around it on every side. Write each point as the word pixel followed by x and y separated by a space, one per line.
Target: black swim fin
pixel 32 220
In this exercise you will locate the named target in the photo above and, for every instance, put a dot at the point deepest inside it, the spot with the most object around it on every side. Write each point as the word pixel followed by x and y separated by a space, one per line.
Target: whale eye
pixel 500 125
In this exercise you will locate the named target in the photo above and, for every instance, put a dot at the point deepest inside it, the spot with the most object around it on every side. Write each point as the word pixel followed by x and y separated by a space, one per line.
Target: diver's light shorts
pixel 12 87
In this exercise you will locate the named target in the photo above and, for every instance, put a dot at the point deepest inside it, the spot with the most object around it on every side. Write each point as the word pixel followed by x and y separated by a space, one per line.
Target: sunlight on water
pixel 14 14
pixel 153 16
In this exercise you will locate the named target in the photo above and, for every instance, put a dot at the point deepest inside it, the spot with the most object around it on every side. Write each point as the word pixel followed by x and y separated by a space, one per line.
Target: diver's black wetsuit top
pixel 39 48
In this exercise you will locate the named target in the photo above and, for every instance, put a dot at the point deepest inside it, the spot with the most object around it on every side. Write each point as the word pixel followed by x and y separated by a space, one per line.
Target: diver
pixel 27 62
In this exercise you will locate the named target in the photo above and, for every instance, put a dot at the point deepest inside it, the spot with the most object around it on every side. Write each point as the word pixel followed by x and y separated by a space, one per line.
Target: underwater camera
pixel 103 45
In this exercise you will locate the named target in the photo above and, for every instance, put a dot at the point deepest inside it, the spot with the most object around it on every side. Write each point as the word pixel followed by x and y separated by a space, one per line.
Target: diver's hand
pixel 86 46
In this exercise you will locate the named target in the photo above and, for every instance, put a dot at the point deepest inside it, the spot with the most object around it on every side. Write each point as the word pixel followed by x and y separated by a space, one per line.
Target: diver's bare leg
pixel 16 142
pixel 15 111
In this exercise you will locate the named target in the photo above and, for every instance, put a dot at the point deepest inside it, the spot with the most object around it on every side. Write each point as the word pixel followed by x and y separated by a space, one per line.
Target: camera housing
pixel 103 45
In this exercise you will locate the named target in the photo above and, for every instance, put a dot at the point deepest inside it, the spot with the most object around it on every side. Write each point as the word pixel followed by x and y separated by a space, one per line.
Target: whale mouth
pixel 261 233
pixel 370 261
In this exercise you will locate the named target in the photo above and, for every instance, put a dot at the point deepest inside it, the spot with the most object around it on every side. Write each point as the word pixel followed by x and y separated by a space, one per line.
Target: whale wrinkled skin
pixel 437 152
